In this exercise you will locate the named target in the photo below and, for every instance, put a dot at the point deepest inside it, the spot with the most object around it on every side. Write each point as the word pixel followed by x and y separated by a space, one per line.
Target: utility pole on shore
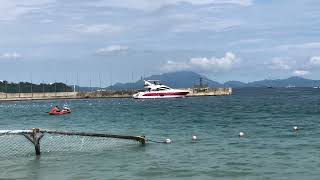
pixel 132 81
pixel 90 83
pixel 6 88
pixel 100 83
pixel 77 82
pixel 31 85
pixel 111 81
pixel 55 87
pixel 42 87
pixel 66 85
pixel 19 89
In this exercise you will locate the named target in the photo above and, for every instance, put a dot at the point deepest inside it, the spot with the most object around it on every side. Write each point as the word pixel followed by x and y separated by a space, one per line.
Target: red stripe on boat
pixel 167 94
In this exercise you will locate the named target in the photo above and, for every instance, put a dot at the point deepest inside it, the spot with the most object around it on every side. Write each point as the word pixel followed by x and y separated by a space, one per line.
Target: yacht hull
pixel 160 95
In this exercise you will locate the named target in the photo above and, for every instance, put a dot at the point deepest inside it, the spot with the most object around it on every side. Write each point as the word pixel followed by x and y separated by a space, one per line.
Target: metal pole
pixel 31 87
pixel 6 88
pixel 65 87
pixel 111 80
pixel 77 82
pixel 100 81
pixel 35 138
pixel 43 89
pixel 19 86
pixel 55 87
pixel 132 81
pixel 90 83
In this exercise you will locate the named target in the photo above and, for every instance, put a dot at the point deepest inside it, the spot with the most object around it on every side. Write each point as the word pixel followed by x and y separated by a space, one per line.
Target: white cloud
pixel 287 47
pixel 112 48
pixel 280 63
pixel 97 28
pixel 204 64
pixel 204 2
pixel 176 66
pixel 309 45
pixel 223 63
pixel 215 24
pixel 46 21
pixel 247 41
pixel 315 60
pixel 12 9
pixel 313 63
pixel 301 72
pixel 148 5
pixel 10 56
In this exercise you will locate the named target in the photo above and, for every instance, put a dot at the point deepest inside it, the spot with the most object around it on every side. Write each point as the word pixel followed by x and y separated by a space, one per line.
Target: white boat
pixel 316 87
pixel 155 90
pixel 290 86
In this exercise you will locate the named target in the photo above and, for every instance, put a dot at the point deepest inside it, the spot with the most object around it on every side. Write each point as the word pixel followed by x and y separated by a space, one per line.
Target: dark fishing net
pixel 14 144
pixel 17 144
pixel 55 142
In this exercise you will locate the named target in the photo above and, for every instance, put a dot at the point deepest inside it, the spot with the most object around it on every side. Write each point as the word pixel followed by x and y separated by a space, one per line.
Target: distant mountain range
pixel 289 82
pixel 182 79
pixel 187 79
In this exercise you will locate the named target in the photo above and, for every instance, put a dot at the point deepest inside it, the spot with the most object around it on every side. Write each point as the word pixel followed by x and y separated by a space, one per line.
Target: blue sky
pixel 122 40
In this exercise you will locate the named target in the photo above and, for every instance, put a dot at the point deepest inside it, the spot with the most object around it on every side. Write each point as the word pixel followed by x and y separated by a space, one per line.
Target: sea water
pixel 270 148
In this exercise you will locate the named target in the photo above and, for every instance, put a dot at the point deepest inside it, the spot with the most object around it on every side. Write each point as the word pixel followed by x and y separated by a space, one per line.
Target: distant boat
pixel 316 86
pixel 290 86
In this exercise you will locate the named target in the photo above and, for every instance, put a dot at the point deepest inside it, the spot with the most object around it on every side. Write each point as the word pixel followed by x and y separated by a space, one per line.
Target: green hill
pixel 26 87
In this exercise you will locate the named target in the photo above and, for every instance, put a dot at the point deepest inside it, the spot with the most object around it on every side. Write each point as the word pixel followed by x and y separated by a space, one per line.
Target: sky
pixel 108 41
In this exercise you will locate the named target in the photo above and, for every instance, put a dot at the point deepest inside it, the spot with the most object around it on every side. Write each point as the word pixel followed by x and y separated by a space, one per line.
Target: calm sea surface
pixel 270 150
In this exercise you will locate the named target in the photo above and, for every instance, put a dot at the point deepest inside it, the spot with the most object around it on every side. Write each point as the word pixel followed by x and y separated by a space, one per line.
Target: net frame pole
pixel 34 137
pixel 141 139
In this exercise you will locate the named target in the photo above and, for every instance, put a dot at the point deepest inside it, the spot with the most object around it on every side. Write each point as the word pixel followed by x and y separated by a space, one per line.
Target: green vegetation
pixel 26 87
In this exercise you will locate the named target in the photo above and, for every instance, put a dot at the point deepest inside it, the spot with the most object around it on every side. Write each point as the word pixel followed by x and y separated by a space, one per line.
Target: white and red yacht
pixel 157 90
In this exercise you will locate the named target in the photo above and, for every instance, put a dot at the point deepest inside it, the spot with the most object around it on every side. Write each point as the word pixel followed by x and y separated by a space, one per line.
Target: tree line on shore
pixel 27 87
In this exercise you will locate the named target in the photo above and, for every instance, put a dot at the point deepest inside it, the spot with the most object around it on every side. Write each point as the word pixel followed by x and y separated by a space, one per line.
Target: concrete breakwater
pixel 37 96
pixel 106 94
pixel 209 92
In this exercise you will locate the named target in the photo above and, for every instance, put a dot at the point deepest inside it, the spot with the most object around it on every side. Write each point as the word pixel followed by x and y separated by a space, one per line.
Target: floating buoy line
pixel 166 141
pixel 241 134
pixel 194 137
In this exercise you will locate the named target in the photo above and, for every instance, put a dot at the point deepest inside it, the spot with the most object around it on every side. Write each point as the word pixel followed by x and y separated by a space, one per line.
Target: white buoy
pixel 295 128
pixel 168 141
pixel 241 134
pixel 194 137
